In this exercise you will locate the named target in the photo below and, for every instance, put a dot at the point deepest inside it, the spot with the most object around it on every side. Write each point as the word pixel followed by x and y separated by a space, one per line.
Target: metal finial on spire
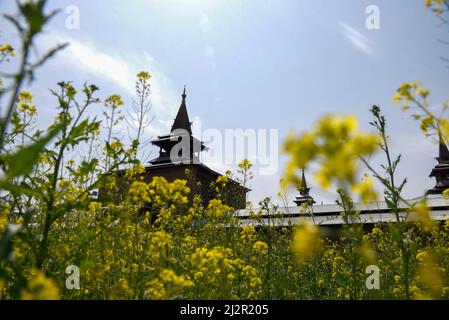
pixel 184 94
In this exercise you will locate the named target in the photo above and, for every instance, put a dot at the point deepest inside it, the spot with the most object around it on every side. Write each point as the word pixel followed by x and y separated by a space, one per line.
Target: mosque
pixel 179 158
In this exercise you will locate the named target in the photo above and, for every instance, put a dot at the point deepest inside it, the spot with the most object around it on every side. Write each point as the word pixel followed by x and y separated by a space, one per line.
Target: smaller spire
pixel 443 154
pixel 302 188
pixel 304 192
pixel 441 170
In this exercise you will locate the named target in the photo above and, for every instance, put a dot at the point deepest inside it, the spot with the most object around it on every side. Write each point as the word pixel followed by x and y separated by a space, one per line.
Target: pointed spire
pixel 182 118
pixel 304 196
pixel 443 155
pixel 441 171
pixel 303 190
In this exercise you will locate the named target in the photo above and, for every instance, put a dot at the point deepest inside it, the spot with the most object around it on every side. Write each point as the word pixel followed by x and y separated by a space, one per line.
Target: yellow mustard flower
pixel 260 247
pixel 305 242
pixel 40 287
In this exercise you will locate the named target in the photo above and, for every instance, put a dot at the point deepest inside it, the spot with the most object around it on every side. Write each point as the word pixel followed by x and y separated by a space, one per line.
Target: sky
pixel 250 65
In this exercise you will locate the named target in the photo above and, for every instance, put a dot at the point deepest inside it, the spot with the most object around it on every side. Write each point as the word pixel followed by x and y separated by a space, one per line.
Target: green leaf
pixel 33 13
pixel 22 162
pixel 87 167
pixel 20 189
pixel 342 279
pixel 396 236
pixel 78 133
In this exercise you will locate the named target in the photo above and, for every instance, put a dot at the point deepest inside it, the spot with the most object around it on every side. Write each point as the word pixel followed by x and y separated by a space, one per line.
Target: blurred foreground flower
pixel 40 288
pixel 306 242
pixel 336 145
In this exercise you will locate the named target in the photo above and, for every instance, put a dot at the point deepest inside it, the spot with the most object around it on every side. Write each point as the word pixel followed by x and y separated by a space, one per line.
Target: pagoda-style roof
pixel 181 130
pixel 171 139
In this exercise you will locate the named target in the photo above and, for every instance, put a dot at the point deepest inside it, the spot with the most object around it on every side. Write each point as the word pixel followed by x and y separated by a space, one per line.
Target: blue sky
pixel 261 64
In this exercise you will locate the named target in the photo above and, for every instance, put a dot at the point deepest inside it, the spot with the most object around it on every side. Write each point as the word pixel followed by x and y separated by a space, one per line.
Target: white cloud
pixel 414 144
pixel 99 64
pixel 120 70
pixel 357 39
pixel 209 52
pixel 205 25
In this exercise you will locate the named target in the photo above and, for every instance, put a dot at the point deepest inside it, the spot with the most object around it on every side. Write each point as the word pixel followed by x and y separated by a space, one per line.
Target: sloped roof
pixel 182 120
